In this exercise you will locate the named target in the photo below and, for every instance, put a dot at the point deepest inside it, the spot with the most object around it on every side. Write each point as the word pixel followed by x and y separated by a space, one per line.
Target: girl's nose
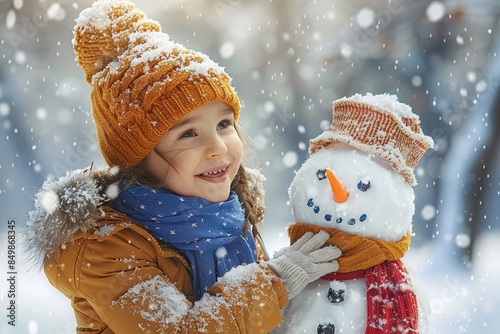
pixel 340 195
pixel 216 147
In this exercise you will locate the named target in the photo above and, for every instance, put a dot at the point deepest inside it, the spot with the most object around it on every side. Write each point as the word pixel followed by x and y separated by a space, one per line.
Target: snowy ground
pixel 461 302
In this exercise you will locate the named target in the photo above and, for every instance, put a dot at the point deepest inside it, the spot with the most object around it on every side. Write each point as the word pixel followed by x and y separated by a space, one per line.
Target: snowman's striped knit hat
pixel 142 82
pixel 379 125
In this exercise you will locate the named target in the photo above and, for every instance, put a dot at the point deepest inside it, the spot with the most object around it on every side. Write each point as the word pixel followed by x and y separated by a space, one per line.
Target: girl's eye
pixel 321 174
pixel 364 185
pixel 223 124
pixel 188 133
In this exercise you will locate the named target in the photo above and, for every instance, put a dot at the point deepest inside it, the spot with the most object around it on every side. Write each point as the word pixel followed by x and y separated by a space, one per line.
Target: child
pixel 161 241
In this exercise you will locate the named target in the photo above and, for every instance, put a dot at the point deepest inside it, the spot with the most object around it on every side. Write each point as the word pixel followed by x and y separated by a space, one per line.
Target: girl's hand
pixel 305 261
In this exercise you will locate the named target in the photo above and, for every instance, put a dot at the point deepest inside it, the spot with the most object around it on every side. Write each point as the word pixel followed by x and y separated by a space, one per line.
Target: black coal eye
pixel 321 174
pixel 364 185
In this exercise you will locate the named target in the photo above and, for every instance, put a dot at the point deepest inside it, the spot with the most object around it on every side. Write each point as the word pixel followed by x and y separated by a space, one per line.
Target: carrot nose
pixel 339 193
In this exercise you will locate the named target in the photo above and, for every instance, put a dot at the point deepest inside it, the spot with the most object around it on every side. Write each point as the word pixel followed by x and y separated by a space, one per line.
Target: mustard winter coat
pixel 120 279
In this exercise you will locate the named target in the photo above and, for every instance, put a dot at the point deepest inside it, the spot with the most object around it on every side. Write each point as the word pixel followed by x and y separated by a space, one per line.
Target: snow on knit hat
pixel 379 125
pixel 142 82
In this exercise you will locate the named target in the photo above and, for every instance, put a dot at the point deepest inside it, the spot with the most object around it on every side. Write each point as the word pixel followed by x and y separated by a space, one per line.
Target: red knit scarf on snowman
pixel 391 301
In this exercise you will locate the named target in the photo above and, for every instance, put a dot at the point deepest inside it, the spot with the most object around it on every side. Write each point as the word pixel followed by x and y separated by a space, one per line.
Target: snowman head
pixel 359 176
pixel 347 189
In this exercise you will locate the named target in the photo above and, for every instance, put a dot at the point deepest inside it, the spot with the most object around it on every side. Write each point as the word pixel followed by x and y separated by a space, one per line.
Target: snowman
pixel 357 186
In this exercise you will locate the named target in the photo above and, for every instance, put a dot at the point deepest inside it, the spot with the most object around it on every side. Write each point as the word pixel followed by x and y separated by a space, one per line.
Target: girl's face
pixel 200 155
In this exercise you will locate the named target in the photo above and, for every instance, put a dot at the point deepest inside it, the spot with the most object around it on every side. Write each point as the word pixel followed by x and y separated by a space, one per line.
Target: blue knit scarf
pixel 208 234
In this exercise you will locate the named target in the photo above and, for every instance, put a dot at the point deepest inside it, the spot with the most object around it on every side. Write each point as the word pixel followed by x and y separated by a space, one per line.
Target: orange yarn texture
pixel 358 253
pixel 379 131
pixel 142 82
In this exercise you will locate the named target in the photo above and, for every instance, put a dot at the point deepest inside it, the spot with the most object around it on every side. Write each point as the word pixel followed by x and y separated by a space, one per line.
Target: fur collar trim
pixel 63 206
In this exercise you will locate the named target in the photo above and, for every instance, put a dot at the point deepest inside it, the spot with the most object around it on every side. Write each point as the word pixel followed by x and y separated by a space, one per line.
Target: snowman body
pixel 380 205
pixel 327 307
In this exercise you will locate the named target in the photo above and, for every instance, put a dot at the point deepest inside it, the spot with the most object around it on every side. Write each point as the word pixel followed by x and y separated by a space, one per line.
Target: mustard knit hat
pixel 142 83
pixel 379 125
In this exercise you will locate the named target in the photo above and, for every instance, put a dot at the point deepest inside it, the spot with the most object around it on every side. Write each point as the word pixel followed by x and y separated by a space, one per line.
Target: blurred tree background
pixel 289 60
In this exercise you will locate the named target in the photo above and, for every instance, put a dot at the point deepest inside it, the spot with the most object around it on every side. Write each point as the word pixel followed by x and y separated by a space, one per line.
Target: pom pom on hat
pixel 142 82
pixel 379 125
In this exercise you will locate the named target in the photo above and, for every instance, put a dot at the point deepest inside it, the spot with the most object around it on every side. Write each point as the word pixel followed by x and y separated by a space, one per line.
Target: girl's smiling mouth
pixel 217 174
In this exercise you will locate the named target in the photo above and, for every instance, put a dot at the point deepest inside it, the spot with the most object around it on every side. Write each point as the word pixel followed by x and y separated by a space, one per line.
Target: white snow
pixel 462 240
pixel 325 124
pixel 112 190
pixel 105 230
pixel 460 301
pixel 166 303
pixel 435 11
pixel 365 17
pixel 18 4
pixel 20 57
pixel 220 252
pixel 41 114
pixel 56 12
pixel 386 101
pixel 290 159
pixel 4 109
pixel 206 308
pixel 255 178
pixel 338 285
pixel 10 19
pixel 428 212
pixel 416 80
pixel 96 16
pixel 49 201
pixel 227 50
pixel 240 274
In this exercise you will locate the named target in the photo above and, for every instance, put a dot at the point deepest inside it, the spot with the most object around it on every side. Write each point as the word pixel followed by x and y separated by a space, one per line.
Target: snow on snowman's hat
pixel 379 125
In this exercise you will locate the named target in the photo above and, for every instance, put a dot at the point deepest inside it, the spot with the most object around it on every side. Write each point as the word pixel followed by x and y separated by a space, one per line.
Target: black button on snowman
pixel 336 296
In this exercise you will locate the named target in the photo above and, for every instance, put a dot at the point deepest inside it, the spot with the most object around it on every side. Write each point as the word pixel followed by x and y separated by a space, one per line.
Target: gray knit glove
pixel 305 261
